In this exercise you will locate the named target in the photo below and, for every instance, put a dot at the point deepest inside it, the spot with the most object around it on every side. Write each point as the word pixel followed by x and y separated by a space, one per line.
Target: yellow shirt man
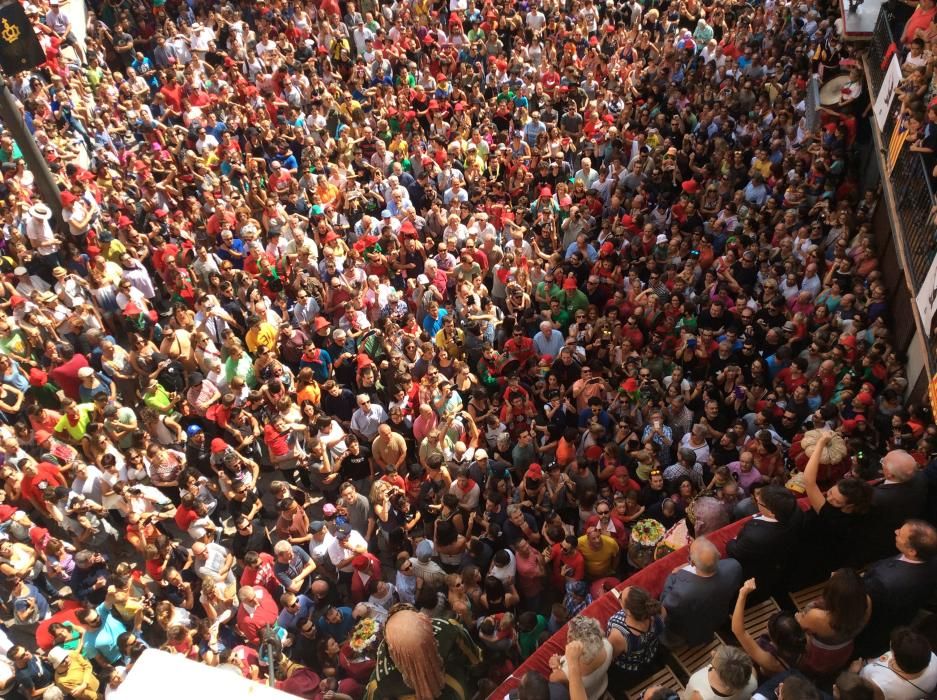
pixel 600 553
pixel 75 677
pixel 261 334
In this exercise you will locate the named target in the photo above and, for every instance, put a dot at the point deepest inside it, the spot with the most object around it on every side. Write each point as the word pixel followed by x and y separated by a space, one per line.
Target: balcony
pixel 909 195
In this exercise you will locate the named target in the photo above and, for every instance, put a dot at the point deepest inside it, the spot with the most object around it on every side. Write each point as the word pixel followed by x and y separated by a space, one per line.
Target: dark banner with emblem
pixel 19 46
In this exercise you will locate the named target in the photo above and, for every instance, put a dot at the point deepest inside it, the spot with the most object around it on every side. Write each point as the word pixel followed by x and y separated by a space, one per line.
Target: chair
pixel 691 659
pixel 664 677
pixel 757 617
pixel 802 597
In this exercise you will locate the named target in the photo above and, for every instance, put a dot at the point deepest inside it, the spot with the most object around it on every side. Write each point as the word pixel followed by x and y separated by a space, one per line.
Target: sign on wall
pixel 887 92
pixel 927 300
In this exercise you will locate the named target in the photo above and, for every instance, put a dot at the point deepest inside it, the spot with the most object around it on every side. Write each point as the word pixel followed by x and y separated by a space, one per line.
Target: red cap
pixel 218 445
pixel 570 283
pixel 364 361
pixel 319 323
pixel 124 220
pixel 161 213
pixel 546 192
pixel 690 186
pixel 606 248
pixel 42 435
pixel 408 228
pixel 16 300
pixel 68 199
pixel 535 471
pixel 440 76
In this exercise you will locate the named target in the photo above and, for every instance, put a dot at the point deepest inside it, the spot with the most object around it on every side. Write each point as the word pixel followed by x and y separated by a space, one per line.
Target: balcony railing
pixel 882 38
pixel 910 176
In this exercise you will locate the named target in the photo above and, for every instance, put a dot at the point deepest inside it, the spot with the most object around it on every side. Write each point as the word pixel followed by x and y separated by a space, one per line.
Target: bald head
pixel 898 466
pixel 319 588
pixel 705 556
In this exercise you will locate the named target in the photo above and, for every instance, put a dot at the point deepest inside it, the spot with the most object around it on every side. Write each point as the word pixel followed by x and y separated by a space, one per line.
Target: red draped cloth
pixel 651 578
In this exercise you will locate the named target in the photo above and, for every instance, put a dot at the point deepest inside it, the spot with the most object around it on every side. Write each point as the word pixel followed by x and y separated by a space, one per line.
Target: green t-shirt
pixel 74 640
pixel 158 399
pixel 77 429
pixel 529 641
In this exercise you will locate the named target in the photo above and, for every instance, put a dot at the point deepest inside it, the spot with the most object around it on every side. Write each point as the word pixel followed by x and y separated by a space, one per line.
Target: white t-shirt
pixel 339 550
pixel 895 687
pixel 699 682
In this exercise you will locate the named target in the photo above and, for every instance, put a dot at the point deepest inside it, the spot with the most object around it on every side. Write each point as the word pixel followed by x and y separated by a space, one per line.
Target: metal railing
pixel 914 197
pixel 882 38
pixel 910 176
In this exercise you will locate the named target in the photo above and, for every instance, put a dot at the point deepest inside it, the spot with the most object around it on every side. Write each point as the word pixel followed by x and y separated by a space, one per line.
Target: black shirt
pixel 36 675
pixel 356 467
pixel 253 541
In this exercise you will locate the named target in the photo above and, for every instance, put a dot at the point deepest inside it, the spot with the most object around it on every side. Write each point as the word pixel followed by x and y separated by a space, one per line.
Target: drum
pixel 505 366
pixel 831 93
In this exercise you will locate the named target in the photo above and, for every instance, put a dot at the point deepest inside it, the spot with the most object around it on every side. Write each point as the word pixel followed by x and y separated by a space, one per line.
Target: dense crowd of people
pixel 380 339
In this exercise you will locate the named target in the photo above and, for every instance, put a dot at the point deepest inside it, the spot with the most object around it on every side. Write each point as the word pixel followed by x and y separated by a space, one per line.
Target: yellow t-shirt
pixel 599 562
pixel 79 671
pixel 262 334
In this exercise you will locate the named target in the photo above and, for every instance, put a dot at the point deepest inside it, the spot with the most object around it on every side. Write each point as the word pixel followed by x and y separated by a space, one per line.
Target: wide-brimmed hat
pixel 40 211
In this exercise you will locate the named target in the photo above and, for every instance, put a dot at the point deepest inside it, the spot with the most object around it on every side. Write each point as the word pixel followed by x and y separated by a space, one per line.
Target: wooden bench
pixel 757 617
pixel 665 677
pixel 805 595
pixel 691 659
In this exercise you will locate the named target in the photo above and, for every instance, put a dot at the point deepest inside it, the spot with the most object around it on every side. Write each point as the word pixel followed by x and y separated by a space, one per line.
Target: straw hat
pixel 40 211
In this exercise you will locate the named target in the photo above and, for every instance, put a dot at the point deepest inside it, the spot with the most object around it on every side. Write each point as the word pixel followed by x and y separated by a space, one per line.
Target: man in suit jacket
pixel 902 494
pixel 766 543
pixel 899 586
pixel 699 597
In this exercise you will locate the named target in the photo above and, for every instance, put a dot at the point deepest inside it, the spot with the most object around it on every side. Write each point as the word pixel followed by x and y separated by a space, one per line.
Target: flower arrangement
pixel 364 635
pixel 647 532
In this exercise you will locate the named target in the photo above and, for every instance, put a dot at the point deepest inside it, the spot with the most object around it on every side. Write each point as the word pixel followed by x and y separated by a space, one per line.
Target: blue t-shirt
pixel 103 640
pixel 432 325
pixel 340 630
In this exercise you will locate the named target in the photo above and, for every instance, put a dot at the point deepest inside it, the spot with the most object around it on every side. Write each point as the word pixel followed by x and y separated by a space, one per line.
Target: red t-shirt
pixel 185 517
pixel 573 560
pixel 46 475
pixel 66 375
pixel 277 443
pixel 173 95
pixel 265 613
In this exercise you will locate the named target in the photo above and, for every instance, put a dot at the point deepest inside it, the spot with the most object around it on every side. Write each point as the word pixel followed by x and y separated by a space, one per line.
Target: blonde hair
pixel 587 631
